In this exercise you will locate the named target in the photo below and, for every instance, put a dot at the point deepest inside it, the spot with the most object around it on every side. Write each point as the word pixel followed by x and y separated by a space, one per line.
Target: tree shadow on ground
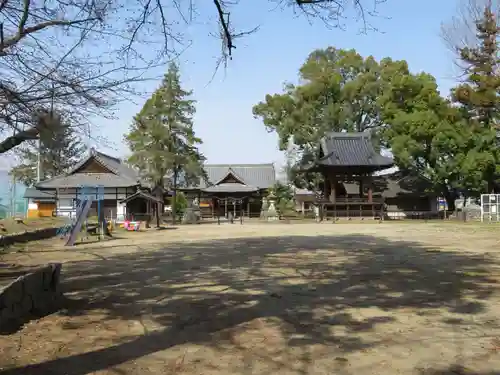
pixel 456 370
pixel 192 291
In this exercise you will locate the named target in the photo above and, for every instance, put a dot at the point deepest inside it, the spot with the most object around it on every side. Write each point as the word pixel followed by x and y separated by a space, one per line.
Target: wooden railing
pixel 353 201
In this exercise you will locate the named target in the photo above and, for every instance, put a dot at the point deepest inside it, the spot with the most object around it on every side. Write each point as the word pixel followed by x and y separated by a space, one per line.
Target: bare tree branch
pixel 460 31
pixel 46 60
pixel 85 56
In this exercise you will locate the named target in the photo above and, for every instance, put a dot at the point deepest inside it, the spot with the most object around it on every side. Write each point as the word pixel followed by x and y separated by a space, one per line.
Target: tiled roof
pixel 121 176
pixel 230 188
pixel 298 191
pixel 397 184
pixel 88 179
pixel 142 194
pixel 351 149
pixel 117 166
pixel 394 185
pixel 260 176
pixel 34 193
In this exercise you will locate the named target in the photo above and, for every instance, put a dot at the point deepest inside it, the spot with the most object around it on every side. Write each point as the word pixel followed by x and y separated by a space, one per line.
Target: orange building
pixel 40 203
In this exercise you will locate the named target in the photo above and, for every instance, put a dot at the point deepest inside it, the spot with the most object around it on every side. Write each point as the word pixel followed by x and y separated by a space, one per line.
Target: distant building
pixel 237 188
pixel 121 184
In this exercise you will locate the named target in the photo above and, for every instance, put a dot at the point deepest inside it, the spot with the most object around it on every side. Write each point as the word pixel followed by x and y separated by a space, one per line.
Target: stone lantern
pixel 272 214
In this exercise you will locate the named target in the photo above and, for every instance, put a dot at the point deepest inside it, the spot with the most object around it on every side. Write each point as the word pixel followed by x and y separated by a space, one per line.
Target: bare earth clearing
pixel 270 299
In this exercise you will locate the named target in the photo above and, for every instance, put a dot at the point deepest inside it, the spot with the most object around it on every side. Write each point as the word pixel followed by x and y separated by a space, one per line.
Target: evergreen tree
pixel 430 137
pixel 162 138
pixel 479 95
pixel 59 147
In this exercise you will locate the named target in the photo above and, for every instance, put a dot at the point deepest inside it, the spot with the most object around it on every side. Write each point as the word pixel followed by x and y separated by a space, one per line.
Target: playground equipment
pixel 87 195
pixel 131 225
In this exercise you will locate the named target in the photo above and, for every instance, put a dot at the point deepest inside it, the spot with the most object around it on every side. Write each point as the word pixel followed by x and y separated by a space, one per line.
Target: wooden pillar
pixel 57 202
pixel 303 208
pixel 333 192
pixel 225 207
pixel 370 193
pixel 333 197
pixel 326 185
pixel 248 206
pixel 76 201
pixel 361 196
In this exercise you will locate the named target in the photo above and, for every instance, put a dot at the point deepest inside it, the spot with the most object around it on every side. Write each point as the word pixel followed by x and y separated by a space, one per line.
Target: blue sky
pixel 262 62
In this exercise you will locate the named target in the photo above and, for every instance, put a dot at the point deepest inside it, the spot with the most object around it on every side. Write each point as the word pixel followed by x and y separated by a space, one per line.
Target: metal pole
pixel 482 207
pixel 11 197
pixel 39 161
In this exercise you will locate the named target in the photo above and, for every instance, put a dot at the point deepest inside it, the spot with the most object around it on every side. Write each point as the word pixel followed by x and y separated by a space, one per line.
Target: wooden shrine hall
pixel 349 158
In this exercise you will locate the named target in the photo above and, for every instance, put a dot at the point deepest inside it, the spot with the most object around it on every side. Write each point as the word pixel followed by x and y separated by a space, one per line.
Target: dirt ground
pixel 270 299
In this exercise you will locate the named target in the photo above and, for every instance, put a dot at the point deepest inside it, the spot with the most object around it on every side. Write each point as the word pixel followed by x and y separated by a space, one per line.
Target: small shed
pixel 40 203
pixel 141 206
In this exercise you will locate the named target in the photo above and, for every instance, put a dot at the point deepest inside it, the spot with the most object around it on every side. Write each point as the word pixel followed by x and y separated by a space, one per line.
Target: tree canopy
pixel 454 144
pixel 58 149
pixel 339 90
pixel 430 137
pixel 427 134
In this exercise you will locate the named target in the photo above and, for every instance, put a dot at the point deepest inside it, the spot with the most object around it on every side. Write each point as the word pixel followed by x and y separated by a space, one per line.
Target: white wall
pixel 65 207
pixel 121 211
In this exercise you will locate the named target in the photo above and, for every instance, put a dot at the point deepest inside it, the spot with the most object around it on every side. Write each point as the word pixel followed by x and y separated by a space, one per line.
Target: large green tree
pixel 162 139
pixel 338 91
pixel 430 137
pixel 341 91
pixel 58 149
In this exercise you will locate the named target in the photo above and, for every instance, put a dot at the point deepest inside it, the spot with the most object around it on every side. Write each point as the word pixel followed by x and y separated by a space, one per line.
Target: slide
pixel 79 206
pixel 82 214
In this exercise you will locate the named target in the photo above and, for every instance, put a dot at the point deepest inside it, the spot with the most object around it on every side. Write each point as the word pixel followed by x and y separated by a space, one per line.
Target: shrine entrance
pixel 223 206
pixel 229 209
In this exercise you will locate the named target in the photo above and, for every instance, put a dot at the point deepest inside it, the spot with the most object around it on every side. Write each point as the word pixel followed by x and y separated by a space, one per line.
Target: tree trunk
pixel 450 199
pixel 157 215
pixel 159 196
pixel 174 198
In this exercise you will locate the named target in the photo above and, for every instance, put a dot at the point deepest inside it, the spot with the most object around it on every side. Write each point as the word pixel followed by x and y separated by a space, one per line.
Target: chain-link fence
pixel 12 203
